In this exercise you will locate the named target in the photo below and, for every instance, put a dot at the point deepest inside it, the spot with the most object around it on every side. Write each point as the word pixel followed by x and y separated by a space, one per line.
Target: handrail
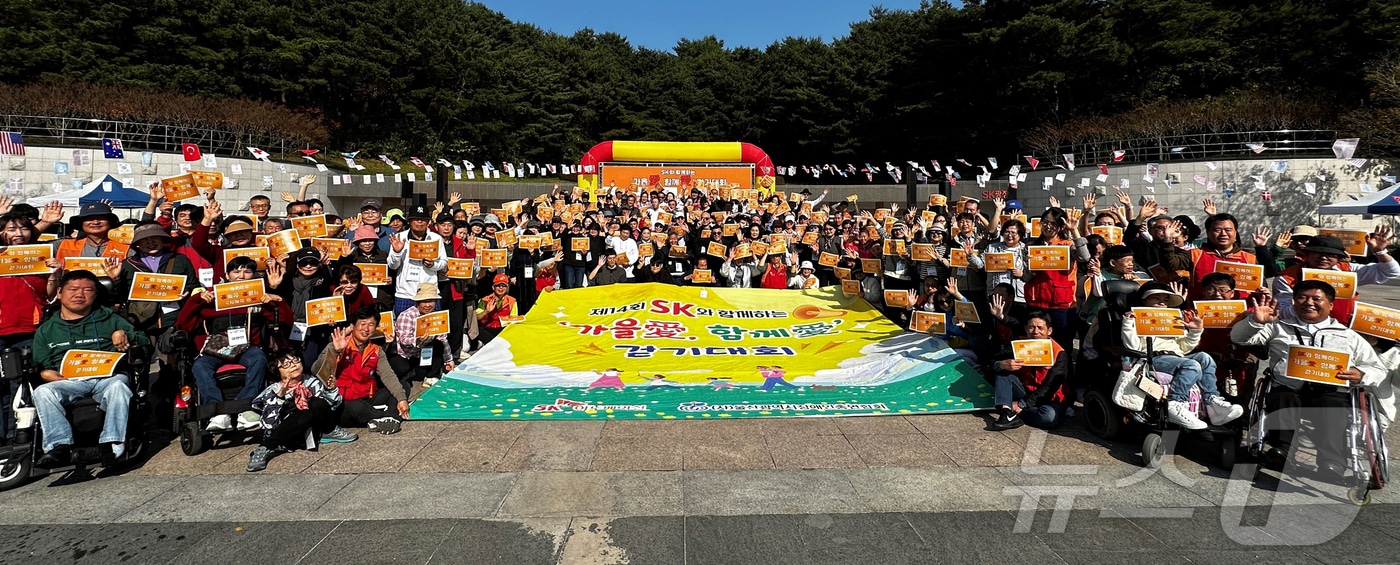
pixel 1201 146
pixel 140 136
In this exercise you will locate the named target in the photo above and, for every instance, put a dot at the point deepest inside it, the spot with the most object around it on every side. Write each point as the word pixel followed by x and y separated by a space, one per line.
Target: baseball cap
pixel 370 203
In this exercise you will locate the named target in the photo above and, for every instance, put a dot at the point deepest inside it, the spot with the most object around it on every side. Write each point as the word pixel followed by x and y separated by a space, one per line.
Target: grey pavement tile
pixel 638 453
pixel 556 494
pixel 640 539
pixel 459 455
pixel 101 544
pixel 644 429
pixel 726 452
pixel 803 539
pixel 730 493
pixel 50 501
pixel 255 542
pixel 1249 557
pixel 1105 486
pixel 933 490
pixel 392 541
pixel 421 429
pixel 1087 530
pixel 172 461
pixel 723 428
pixel 1357 544
pixel 864 425
pixel 818 452
pixel 507 542
pixel 1091 557
pixel 553 446
pixel 291 463
pixel 799 427
pixel 977 448
pixel 240 497
pixel 904 451
pixel 385 456
pixel 1204 530
pixel 981 537
pixel 475 429
pixel 939 424
pixel 398 496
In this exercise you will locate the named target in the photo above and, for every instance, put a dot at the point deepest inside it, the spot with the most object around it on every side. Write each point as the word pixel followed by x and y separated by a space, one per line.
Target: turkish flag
pixel 1033 162
pixel 192 152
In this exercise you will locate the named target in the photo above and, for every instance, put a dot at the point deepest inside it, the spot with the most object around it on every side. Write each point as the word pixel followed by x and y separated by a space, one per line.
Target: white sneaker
pixel 1221 411
pixel 1179 413
pixel 220 423
pixel 249 420
pixel 429 381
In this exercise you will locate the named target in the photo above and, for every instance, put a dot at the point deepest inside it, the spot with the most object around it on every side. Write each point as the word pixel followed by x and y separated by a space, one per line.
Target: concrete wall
pixel 1291 205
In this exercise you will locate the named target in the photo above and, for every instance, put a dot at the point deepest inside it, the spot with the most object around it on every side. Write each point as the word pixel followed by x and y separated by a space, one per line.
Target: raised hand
pixel 275 271
pixel 1177 288
pixel 1093 267
pixel 1149 209
pixel 52 212
pixel 288 197
pixel 1000 204
pixel 340 338
pixel 1192 321
pixel 5 204
pixel 396 242
pixel 454 198
pixel 1209 206
pixel 1054 202
pixel 1089 202
pixel 1124 199
pixel 1285 238
pixel 157 192
pixel 212 210
pixel 113 266
pixel 997 306
pixel 307 180
pixel 1265 309
pixel 1379 239
pixel 1261 236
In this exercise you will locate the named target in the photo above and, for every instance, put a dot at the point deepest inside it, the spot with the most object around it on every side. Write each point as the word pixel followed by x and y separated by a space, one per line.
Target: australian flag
pixel 112 148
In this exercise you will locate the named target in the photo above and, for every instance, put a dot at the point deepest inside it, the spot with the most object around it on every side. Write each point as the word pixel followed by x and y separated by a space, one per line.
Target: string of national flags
pixel 12 143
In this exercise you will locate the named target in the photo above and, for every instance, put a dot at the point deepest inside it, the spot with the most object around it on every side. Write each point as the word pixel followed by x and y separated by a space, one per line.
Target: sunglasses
pixel 500 285
pixel 308 263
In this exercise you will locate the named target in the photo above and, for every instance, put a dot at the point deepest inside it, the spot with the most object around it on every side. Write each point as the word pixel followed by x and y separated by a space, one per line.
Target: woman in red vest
pixel 775 274
pixel 360 370
pixel 1053 291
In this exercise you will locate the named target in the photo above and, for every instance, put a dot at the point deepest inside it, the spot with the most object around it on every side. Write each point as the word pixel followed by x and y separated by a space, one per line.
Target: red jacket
pixel 355 372
pixel 196 311
pixel 1032 378
pixel 774 278
pixel 23 306
pixel 1052 290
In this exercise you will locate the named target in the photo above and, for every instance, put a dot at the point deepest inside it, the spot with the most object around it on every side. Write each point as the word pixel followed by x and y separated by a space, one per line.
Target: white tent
pixel 1363 205
pixel 105 188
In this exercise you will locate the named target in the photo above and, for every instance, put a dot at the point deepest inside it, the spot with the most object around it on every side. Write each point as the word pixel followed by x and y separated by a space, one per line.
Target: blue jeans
pixel 1194 369
pixel 112 393
pixel 574 276
pixel 205 366
pixel 1009 389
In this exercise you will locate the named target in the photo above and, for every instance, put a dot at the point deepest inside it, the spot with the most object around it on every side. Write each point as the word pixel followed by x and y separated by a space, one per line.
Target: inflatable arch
pixel 674 153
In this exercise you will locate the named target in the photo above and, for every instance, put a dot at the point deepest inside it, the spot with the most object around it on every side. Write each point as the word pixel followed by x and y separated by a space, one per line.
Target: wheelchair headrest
pixel 16 362
pixel 1118 295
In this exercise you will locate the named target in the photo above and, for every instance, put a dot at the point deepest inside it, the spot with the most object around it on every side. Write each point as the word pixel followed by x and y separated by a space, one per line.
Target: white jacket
pixel 1331 334
pixel 413 272
pixel 1176 345
pixel 1385 392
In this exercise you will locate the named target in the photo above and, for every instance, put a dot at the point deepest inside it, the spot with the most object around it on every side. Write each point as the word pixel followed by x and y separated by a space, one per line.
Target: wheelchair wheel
pixel 1152 451
pixel 1360 495
pixel 191 439
pixel 15 471
pixel 1100 415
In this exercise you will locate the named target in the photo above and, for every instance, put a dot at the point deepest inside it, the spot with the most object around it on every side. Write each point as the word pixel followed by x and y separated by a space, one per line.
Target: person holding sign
pixel 413 272
pixel 1327 253
pixel 415 358
pixel 237 335
pixel 804 279
pixel 1223 244
pixel 1052 290
pixel 365 250
pixel 607 271
pixel 237 231
pixel 497 305
pixel 1310 323
pixel 1029 384
pixel 1012 242
pixel 303 279
pixel 25 295
pixel 360 371
pixel 1172 355
pixel 81 324
pixel 151 254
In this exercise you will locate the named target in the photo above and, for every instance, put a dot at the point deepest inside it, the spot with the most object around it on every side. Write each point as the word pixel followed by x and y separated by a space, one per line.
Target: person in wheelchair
pixel 1309 322
pixel 80 324
pixel 1171 356
pixel 236 335
pixel 1385 390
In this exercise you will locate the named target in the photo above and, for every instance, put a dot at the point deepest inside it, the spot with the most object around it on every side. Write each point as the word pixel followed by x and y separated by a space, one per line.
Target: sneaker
pixel 430 381
pixel 249 420
pixel 220 423
pixel 1008 420
pixel 1221 411
pixel 384 425
pixel 1179 413
pixel 338 435
pixel 258 460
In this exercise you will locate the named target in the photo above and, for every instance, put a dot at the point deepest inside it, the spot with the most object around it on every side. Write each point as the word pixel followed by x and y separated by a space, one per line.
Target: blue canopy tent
pixel 105 188
pixel 1385 202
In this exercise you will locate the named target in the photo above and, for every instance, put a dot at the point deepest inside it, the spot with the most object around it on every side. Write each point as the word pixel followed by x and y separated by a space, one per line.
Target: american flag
pixel 11 143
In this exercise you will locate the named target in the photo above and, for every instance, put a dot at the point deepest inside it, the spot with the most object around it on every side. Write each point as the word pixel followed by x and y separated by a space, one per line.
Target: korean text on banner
pixel 1375 320
pixel 460 268
pixel 322 311
pixel 423 250
pixel 373 274
pixel 431 324
pixel 25 260
pixel 283 242
pixel 259 254
pixel 1112 235
pixel 966 312
pixel 1247 276
pixel 94 265
pixel 1344 282
pixel 228 296
pixel 1220 313
pixel 308 227
pixel 386 326
pixel 156 287
pixel 929 322
pixel 179 187
pixel 1159 322
pixel 998 262
pixel 84 363
pixel 1353 240
pixel 1317 365
pixel 1049 257
pixel 1034 352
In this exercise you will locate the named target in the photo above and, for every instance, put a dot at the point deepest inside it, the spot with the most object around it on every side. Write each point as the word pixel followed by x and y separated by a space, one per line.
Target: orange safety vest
pixel 74 248
pixel 1203 264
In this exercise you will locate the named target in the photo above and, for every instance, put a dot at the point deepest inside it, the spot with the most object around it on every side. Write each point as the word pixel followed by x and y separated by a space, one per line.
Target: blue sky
pixel 658 24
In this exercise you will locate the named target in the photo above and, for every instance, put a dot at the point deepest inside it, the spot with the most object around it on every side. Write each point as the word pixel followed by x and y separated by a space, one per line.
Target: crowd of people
pixel 975 262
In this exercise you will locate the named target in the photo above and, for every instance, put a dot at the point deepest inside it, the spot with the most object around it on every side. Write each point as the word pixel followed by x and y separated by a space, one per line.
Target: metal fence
pixel 136 136
pixel 1204 147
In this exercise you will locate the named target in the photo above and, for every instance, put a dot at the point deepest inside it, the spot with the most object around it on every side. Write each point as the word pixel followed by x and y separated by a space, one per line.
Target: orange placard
pixel 260 254
pixel 260 240
pixel 238 294
pixel 512 208
pixel 205 180
pixel 423 250
pixel 122 234
pixel 1159 322
pixel 156 287
pixel 531 242
pixel 1164 275
pixel 1035 227
pixel 677 177
pixel 881 214
pixel 922 252
pixel 429 325
pixel 871 266
pixel 580 244
pixel 646 249
pixel 332 247
pixel 459 268
pixel 998 262
pixel 898 298
pixel 1247 277
pixel 850 287
pixel 546 240
pixel 664 218
pixel 1317 365
pixel 506 238
pixel 730 230
pixel 1344 282
pixel 702 276
pixel 759 248
pixel 1353 240
pixel 471 208
pixel 743 250
pixel 1049 257
pixel 1112 235
pixel 677 251
pixel 1220 313
pixel 717 249
pixel 501 215
pixel 373 274
pixel 94 265
pixel 810 238
pixel 25 260
pixel 778 246
pixel 1375 320
pixel 86 363
pixel 283 242
pixel 1034 352
pixel 308 227
pixel 323 311
pixel 957 257
pixel 827 259
pixel 930 322
pixel 386 326
pixel 935 200
pixel 842 273
pixel 179 187
pixel 491 258
pixel 966 312
pixel 893 247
